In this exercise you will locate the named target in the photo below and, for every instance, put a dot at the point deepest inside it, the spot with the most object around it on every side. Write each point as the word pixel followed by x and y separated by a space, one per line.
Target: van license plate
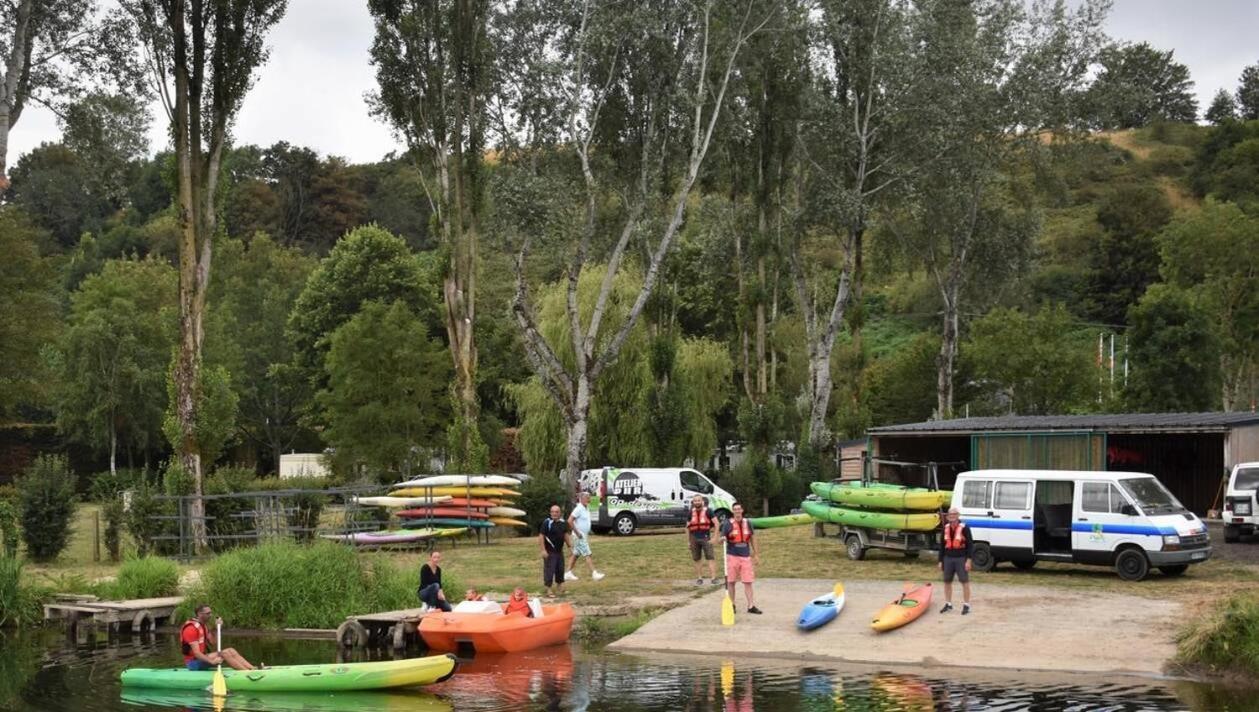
pixel 1199 555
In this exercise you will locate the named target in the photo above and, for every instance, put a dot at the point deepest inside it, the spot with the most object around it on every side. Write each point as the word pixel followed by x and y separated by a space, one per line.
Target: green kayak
pixel 302 678
pixel 381 701
pixel 786 520
pixel 853 517
pixel 882 496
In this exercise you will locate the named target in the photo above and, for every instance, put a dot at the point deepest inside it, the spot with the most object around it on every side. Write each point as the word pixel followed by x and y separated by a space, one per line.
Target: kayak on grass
pixel 881 495
pixel 302 678
pixel 853 517
pixel 821 610
pixel 786 520
pixel 911 604
pixel 492 633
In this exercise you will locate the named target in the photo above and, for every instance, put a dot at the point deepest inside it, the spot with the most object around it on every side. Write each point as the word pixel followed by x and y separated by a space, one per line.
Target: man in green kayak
pixel 196 640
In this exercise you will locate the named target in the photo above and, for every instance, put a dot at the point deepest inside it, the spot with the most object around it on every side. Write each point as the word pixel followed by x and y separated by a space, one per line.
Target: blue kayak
pixel 821 610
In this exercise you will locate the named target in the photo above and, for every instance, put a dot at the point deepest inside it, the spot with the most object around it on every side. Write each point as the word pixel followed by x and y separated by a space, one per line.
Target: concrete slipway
pixel 1010 628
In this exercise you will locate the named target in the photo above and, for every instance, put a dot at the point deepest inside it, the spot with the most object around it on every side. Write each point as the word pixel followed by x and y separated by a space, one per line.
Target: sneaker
pixel 755 610
pixel 714 582
pixel 965 608
pixel 570 576
pixel 596 576
pixel 699 582
pixel 947 607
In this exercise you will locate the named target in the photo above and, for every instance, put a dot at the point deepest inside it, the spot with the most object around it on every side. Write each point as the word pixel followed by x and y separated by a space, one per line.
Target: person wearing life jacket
pixel 197 644
pixel 955 554
pixel 741 552
pixel 699 526
pixel 518 603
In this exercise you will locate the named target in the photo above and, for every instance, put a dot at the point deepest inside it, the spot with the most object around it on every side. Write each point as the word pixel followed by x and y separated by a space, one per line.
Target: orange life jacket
pixel 699 520
pixel 184 647
pixel 740 532
pixel 518 605
pixel 955 536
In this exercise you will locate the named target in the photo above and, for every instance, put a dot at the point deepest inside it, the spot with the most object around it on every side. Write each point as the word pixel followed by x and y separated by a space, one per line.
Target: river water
pixel 45 671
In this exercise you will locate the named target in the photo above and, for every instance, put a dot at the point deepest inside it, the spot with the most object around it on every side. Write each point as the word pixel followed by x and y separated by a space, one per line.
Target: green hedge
pixel 46 500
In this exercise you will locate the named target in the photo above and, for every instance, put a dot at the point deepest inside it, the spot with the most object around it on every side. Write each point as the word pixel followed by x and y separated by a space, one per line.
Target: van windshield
pixel 1247 479
pixel 1151 496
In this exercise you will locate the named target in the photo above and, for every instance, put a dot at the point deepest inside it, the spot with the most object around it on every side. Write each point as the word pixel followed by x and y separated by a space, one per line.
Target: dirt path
pixel 1012 627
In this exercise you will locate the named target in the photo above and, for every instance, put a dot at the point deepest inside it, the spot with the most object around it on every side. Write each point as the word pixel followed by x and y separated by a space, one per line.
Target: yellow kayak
pixel 508 522
pixel 454 492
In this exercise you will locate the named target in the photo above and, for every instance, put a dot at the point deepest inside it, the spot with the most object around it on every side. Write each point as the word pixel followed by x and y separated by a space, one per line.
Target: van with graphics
pixel 1241 502
pixel 1127 520
pixel 622 499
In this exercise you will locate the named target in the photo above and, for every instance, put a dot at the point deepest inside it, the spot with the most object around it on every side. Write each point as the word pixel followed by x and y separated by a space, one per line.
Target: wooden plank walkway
pixel 137 614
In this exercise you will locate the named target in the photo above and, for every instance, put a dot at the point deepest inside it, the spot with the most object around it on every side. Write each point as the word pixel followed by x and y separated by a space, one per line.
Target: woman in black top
pixel 430 590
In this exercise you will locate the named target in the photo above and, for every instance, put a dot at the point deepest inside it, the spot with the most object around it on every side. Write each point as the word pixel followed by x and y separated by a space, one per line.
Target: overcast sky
pixel 311 91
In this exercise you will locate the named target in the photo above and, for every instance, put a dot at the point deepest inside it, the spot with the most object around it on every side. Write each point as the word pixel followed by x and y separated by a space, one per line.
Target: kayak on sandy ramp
pixel 881 496
pixel 912 603
pixel 302 678
pixel 822 610
pixel 854 517
pixel 497 632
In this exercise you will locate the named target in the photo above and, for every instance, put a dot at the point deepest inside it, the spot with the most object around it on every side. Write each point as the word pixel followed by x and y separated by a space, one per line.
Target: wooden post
pixel 96 536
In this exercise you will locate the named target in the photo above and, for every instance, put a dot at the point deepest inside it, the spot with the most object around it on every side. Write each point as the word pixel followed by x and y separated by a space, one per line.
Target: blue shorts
pixel 199 665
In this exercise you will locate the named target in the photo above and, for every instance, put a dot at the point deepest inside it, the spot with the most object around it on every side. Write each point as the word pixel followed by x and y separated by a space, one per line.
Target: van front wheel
pixel 981 558
pixel 1131 565
pixel 1175 570
pixel 625 524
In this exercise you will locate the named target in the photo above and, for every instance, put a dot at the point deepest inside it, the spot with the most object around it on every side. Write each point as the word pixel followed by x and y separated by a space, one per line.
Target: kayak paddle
pixel 218 687
pixel 727 678
pixel 839 589
pixel 727 611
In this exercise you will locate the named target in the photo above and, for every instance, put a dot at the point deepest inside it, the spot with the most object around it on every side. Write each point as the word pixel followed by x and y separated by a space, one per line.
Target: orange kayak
pixel 475 503
pixel 422 512
pixel 492 633
pixel 910 605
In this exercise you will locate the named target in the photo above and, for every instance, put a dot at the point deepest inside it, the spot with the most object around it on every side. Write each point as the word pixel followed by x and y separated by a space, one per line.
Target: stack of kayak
pixel 441 506
pixel 877 505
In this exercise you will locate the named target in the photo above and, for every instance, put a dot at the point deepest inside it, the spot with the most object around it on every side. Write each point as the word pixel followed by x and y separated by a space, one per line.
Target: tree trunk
pixel 4 148
pixel 113 448
pixel 15 66
pixel 820 398
pixel 578 424
pixel 948 356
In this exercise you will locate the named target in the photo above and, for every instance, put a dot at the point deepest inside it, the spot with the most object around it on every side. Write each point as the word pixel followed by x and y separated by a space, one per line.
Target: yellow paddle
pixel 218 687
pixel 727 611
pixel 727 677
pixel 839 589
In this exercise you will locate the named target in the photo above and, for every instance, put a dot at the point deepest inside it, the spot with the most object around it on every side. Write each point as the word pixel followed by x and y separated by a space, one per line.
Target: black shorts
pixel 553 568
pixel 955 565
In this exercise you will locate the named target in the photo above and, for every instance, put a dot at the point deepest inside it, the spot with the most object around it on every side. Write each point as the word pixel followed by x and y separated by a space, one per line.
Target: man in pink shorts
pixel 741 553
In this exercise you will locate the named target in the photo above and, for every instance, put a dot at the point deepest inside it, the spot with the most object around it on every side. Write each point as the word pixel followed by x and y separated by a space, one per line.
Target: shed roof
pixel 1109 423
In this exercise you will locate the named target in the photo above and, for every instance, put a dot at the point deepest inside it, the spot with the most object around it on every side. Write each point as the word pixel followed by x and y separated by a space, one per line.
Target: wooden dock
pixel 135 615
pixel 378 630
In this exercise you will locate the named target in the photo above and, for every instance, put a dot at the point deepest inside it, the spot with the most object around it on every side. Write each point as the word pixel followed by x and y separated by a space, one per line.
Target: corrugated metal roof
pixel 1116 422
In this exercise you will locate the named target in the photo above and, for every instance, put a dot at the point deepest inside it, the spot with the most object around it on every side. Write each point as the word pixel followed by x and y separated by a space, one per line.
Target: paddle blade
pixel 727 678
pixel 839 589
pixel 727 611
pixel 218 687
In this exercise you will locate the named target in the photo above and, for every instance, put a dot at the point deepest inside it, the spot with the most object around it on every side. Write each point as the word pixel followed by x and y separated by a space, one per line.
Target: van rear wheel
pixel 981 558
pixel 1131 565
pixel 1232 535
pixel 625 524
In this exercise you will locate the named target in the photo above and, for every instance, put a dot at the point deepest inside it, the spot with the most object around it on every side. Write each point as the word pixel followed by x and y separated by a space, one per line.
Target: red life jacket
pixel 699 520
pixel 202 639
pixel 740 531
pixel 955 536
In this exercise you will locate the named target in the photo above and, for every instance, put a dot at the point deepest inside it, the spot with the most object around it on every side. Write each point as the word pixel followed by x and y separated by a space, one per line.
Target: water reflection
pixel 47 672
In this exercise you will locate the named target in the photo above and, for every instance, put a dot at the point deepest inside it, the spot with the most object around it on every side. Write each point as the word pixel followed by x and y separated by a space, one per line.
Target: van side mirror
pixel 1128 509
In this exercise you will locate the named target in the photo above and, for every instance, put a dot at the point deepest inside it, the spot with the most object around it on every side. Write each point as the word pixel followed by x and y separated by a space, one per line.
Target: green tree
pixel 386 396
pixel 1173 354
pixel 31 316
pixel 109 133
pixel 368 264
pixel 1214 253
pixel 896 385
pixel 216 413
pixel 1039 363
pixel 1138 85
pixel 1248 93
pixel 48 184
pixel 114 356
pixel 46 500
pixel 1223 108
pixel 1125 260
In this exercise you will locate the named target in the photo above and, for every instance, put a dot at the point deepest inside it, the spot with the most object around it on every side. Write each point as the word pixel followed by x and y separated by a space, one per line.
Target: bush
pixel 115 517
pixel 143 524
pixel 19 604
pixel 46 499
pixel 538 493
pixel 148 577
pixel 9 532
pixel 287 585
pixel 109 485
pixel 1227 640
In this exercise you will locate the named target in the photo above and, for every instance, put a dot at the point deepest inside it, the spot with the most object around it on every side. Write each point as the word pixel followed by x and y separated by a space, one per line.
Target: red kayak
pixel 495 633
pixel 460 512
pixel 462 502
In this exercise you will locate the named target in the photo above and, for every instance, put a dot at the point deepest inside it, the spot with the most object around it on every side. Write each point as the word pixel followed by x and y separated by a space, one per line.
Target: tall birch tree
pixel 202 55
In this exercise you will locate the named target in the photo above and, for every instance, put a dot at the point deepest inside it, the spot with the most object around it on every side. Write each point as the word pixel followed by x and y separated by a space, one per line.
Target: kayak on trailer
pixel 821 610
pixel 430 512
pixel 786 520
pixel 408 524
pixel 497 633
pixel 912 603
pixel 302 678
pixel 400 501
pixel 881 495
pixel 330 701
pixel 478 492
pixel 505 512
pixel 854 517
pixel 461 481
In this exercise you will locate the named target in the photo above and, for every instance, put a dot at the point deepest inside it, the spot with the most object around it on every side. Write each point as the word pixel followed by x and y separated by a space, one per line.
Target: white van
pixel 624 498
pixel 1241 510
pixel 1123 519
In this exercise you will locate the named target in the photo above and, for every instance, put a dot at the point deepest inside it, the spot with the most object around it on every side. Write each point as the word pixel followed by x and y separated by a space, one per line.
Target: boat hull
pixel 491 633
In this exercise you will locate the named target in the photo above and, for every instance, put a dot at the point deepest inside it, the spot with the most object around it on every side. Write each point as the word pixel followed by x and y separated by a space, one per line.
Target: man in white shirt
pixel 579 525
